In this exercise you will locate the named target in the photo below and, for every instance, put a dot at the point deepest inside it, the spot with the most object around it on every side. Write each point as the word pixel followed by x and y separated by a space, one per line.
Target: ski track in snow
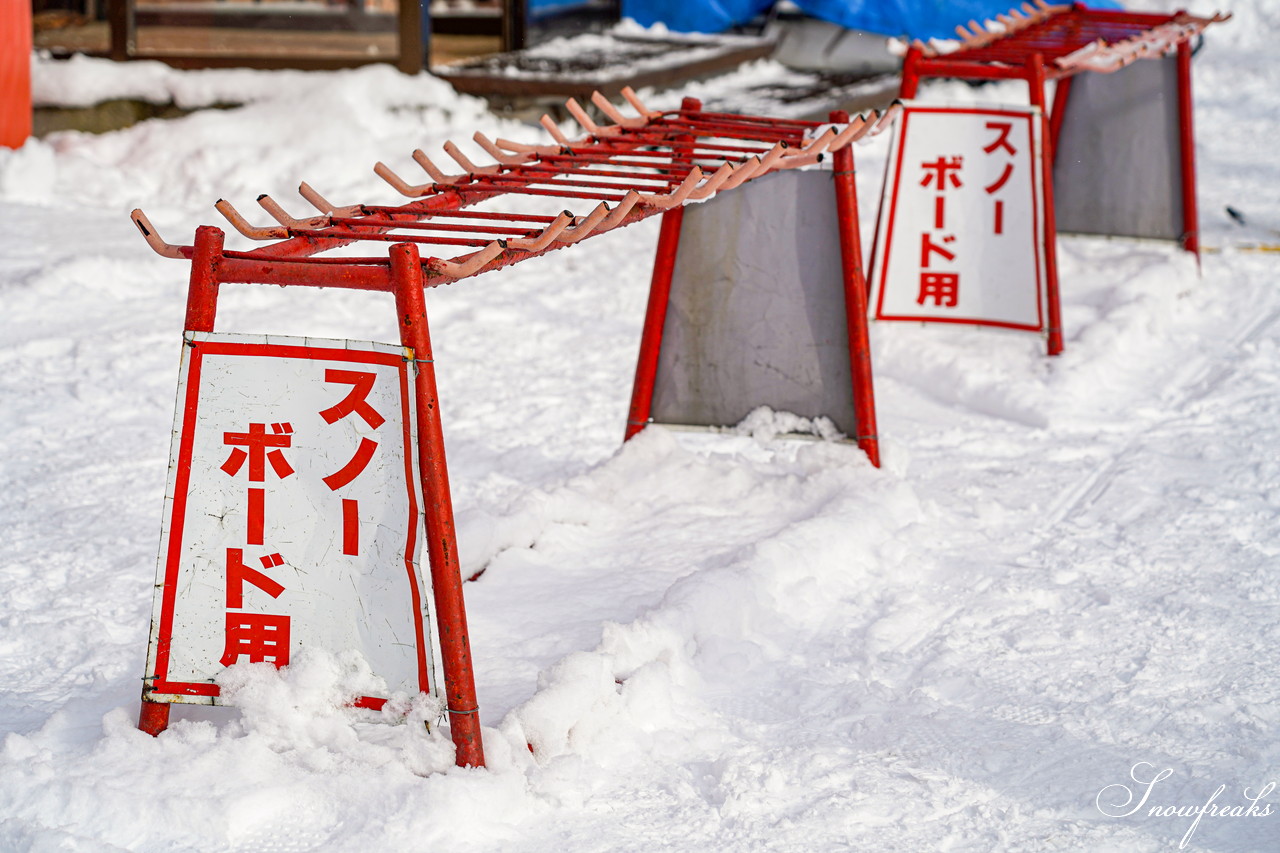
pixel 695 642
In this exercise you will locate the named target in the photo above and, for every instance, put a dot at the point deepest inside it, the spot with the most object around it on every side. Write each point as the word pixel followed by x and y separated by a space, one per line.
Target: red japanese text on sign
pixel 355 402
pixel 962 206
pixel 943 174
pixel 294 514
pixel 1002 129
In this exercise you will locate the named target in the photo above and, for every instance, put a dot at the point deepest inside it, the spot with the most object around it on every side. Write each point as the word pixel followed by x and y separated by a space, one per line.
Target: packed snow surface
pixel 1061 584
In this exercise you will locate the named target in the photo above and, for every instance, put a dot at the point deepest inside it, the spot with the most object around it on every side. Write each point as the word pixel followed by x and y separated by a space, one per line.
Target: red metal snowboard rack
pixel 635 167
pixel 1039 42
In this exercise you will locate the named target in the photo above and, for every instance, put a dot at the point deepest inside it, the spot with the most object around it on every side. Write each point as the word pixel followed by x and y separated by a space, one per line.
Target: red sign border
pixel 159 688
pixel 1032 117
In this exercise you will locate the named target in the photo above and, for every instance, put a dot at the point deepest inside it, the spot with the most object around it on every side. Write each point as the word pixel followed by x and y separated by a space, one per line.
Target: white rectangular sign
pixel 960 238
pixel 292 515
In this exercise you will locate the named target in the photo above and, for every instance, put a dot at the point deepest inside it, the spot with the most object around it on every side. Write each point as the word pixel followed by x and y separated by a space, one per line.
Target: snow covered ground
pixel 1065 573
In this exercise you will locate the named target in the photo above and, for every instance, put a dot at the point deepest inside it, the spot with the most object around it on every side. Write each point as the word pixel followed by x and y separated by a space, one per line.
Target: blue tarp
pixel 694 16
pixel 920 19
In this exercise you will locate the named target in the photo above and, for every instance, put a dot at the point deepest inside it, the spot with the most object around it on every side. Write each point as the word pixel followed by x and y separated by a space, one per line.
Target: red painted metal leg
pixel 855 298
pixel 442 544
pixel 655 315
pixel 202 291
pixel 1036 80
pixel 154 717
pixel 1186 132
pixel 15 75
pixel 202 308
pixel 910 74
pixel 1061 93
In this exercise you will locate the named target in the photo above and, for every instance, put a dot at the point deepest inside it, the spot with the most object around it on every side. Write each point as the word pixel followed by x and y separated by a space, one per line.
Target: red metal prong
pixel 852 131
pixel 160 247
pixel 530 151
pixel 398 183
pixel 517 147
pixel 279 214
pixel 473 263
pixel 586 226
pixel 619 213
pixel 323 205
pixel 580 116
pixel 867 124
pixel 314 198
pixel 886 119
pixel 546 237
pixel 676 198
pixel 637 105
pixel 242 225
pixel 807 155
pixel 821 143
pixel 713 183
pixel 754 167
pixel 614 115
pixel 551 128
pixel 774 158
pixel 420 157
pixel 498 154
pixel 742 172
pixel 750 170
pixel 462 160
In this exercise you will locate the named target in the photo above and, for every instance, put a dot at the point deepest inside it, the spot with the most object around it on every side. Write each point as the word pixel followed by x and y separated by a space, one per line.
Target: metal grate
pixel 613 176
pixel 1071 38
